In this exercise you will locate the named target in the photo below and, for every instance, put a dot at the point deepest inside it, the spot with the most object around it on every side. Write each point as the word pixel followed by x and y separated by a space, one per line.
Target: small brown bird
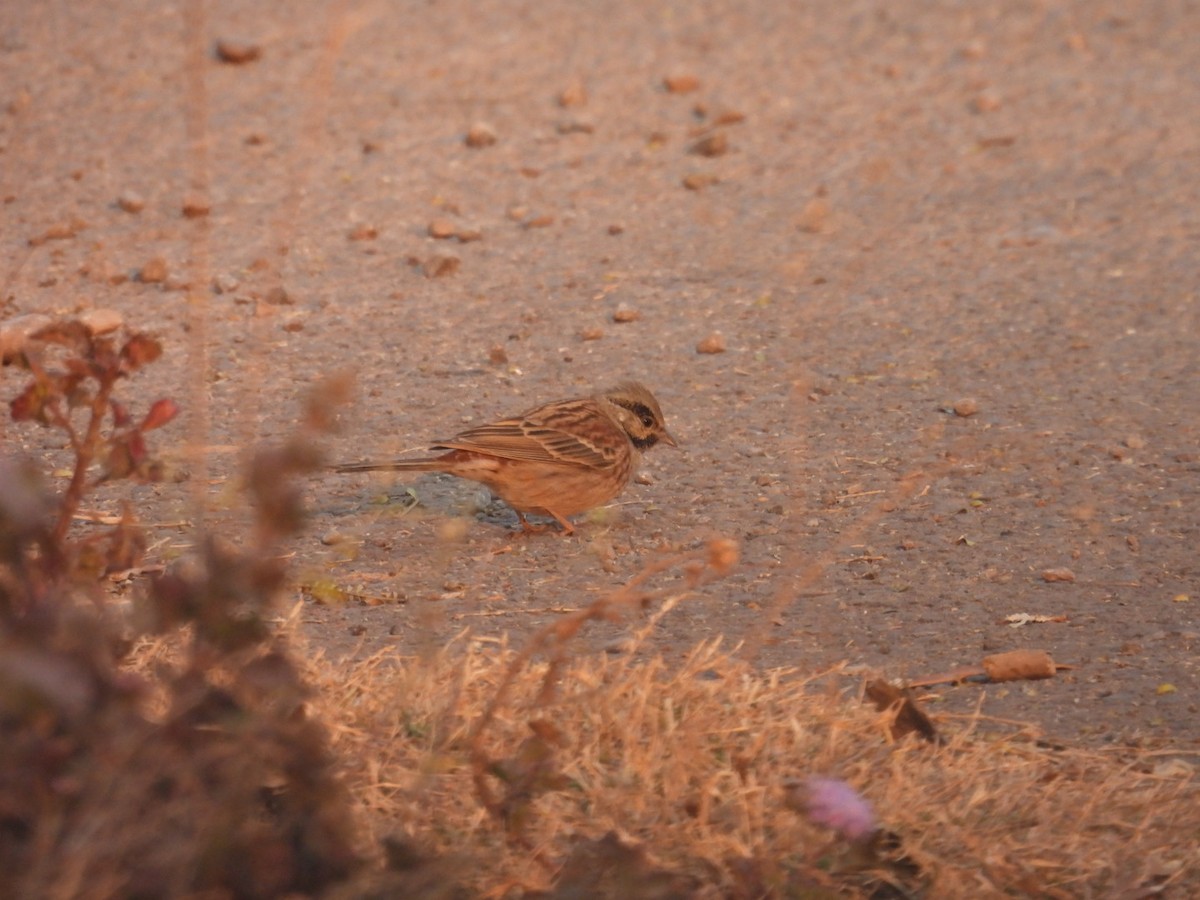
pixel 557 460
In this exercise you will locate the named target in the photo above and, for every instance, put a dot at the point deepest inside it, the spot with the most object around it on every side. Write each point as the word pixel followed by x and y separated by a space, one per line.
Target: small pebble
pixel 467 235
pixel 237 52
pixel 154 272
pixel 278 296
pixel 624 313
pixel 497 355
pixel 681 83
pixel 441 265
pixel 480 135
pixel 714 343
pixel 363 232
pixel 616 228
pixel 591 334
pixel 15 332
pixel 814 216
pixel 195 207
pixel 1062 574
pixel 332 538
pixel 574 94
pixel 575 126
pixel 59 231
pixel 442 229
pixel 715 144
pixel 225 283
pixel 293 325
pixel 543 221
pixel 974 49
pixel 1135 442
pixel 697 181
pixel 966 407
pixel 131 201
pixel 101 321
pixel 729 117
pixel 985 102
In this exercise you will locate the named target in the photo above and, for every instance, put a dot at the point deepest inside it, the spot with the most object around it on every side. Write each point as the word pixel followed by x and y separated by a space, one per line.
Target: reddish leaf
pixel 30 404
pixel 161 412
pixel 140 350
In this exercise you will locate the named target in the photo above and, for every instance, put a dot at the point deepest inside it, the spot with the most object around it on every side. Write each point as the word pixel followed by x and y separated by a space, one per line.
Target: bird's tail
pixel 397 465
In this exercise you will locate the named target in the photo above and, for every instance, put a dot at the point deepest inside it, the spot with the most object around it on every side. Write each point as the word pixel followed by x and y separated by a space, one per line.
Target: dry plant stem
pixel 85 451
pixel 555 638
pixel 195 40
pixel 814 571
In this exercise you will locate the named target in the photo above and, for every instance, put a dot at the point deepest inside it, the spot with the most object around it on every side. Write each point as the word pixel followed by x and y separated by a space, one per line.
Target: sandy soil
pixel 910 210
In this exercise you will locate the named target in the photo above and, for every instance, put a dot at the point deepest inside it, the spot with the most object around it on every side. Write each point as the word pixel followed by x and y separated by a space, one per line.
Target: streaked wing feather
pixel 558 432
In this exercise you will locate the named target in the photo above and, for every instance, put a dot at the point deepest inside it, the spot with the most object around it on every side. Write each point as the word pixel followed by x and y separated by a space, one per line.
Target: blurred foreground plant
pixel 231 788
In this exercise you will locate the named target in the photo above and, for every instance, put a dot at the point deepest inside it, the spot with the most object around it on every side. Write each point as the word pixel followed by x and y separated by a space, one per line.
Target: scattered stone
pixel 616 228
pixel 131 201
pixel 1061 574
pixel 575 126
pixel 966 407
pixel 237 53
pixel 101 321
pixel 714 343
pixel 985 102
pixel 574 94
pixel 974 49
pixel 543 221
pixel 333 538
pixel 442 229
pixel 278 296
pixel 591 334
pixel 497 355
pixel 715 144
pixel 814 216
pixel 15 332
pixel 225 283
pixel 100 268
pixel 441 265
pixel 363 232
pixel 619 645
pixel 155 271
pixel 59 231
pixel 293 325
pixel 467 235
pixel 479 135
pixel 1135 442
pixel 517 213
pixel 729 117
pixel 195 207
pixel 697 181
pixel 624 313
pixel 681 83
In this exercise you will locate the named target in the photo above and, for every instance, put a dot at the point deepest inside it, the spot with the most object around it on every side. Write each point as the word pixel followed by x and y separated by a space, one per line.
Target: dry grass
pixel 693 761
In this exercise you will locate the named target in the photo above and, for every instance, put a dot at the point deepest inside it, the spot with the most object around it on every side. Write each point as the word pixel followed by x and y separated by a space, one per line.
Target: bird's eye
pixel 648 420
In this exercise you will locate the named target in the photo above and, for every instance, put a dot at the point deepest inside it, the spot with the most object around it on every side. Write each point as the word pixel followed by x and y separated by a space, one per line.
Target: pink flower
pixel 832 803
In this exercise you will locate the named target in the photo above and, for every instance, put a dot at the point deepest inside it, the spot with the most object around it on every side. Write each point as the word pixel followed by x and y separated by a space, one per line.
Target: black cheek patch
pixel 644 443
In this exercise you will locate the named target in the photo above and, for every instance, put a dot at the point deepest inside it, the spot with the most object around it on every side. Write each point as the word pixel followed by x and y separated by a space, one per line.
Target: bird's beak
pixel 668 440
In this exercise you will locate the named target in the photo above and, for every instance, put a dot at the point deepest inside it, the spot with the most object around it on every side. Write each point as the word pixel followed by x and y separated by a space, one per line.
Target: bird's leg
pixel 568 528
pixel 527 528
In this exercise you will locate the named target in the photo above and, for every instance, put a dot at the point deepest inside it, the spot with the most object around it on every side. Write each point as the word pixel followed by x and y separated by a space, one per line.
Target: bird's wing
pixel 571 433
